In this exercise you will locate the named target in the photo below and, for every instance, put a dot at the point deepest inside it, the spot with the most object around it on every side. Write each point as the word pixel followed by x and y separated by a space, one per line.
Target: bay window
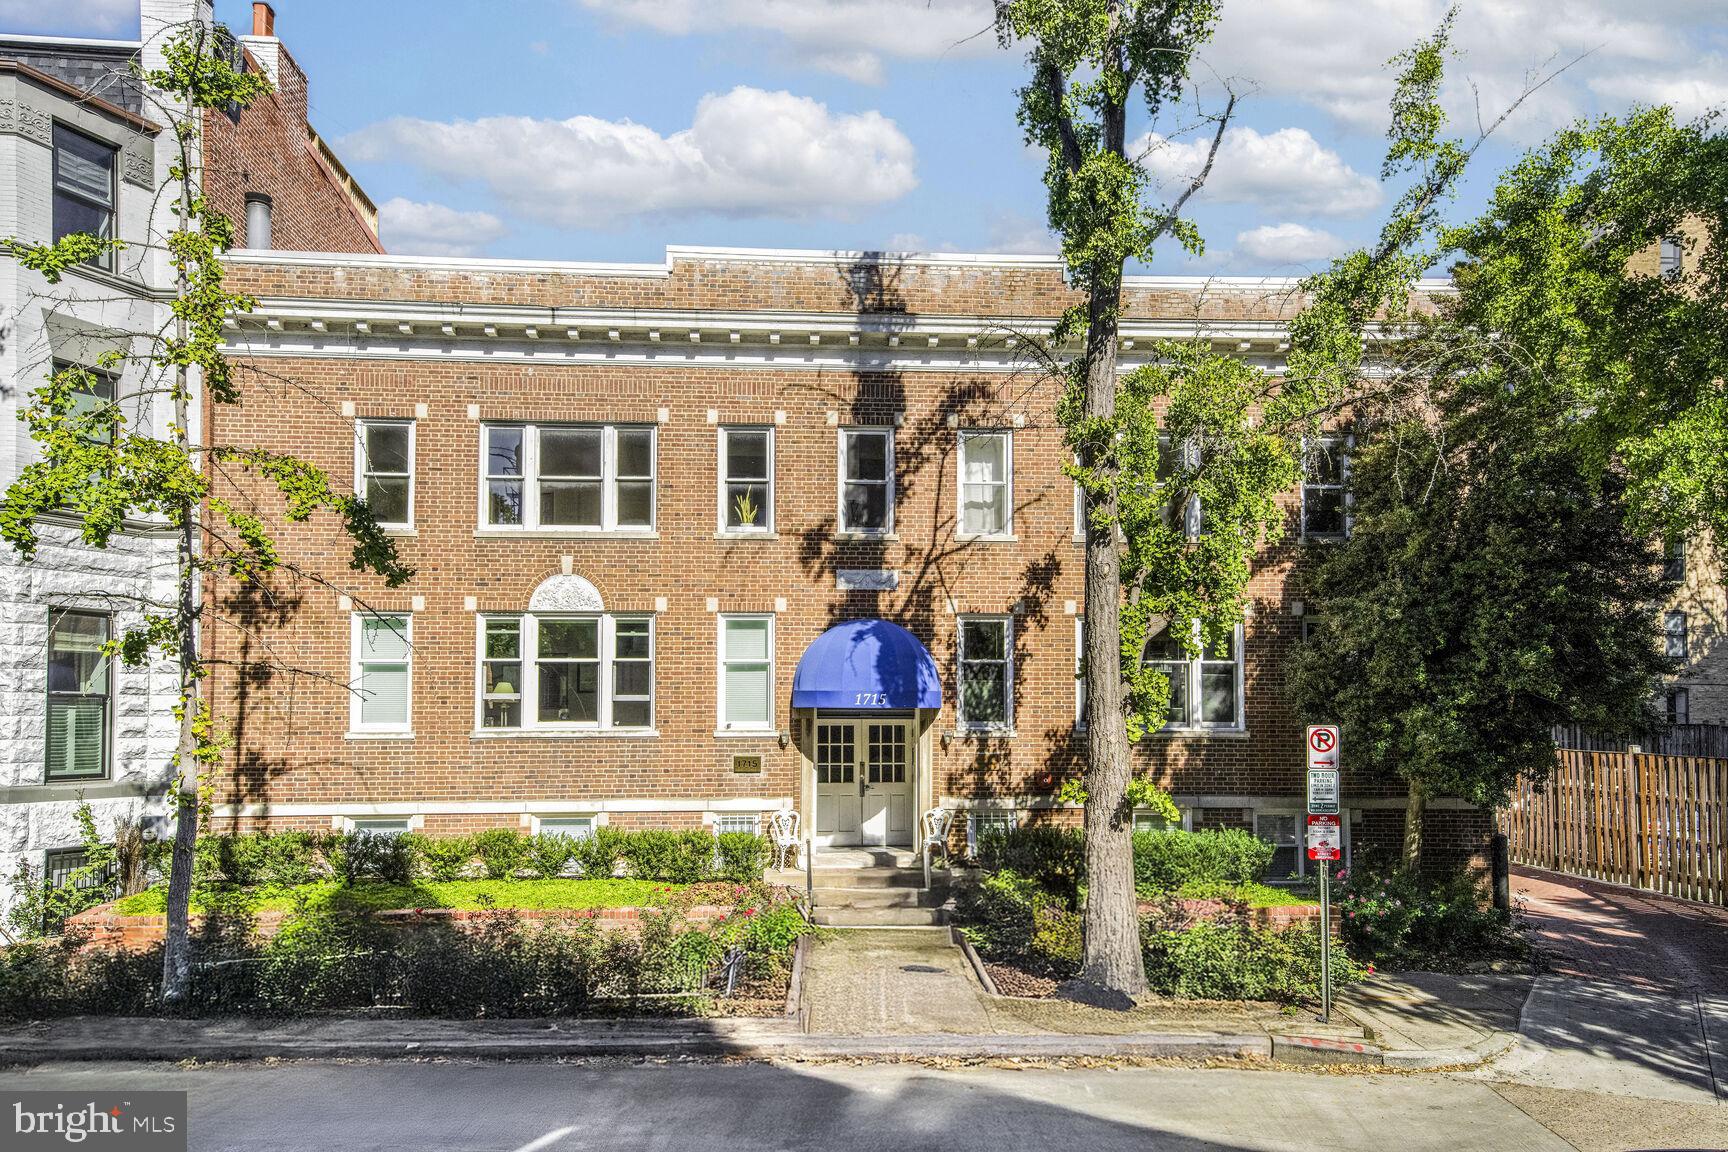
pixel 565 672
pixel 84 188
pixel 568 477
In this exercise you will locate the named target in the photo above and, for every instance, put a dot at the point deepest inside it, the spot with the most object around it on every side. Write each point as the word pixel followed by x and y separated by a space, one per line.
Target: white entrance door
pixel 837 797
pixel 887 783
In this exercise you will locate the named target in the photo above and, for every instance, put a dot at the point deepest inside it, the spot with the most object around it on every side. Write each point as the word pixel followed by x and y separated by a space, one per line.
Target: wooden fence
pixel 1646 820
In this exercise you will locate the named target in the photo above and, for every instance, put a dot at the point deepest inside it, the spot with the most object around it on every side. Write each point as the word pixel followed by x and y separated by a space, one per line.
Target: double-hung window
pixel 384 470
pixel 746 673
pixel 1677 706
pixel 1182 509
pixel 565 672
pixel 986 484
pixel 382 673
pixel 568 477
pixel 867 480
pixel 79 700
pixel 746 480
pixel 1325 501
pixel 1671 257
pixel 93 396
pixel 1674 559
pixel 986 672
pixel 84 187
pixel 1205 690
pixel 1674 638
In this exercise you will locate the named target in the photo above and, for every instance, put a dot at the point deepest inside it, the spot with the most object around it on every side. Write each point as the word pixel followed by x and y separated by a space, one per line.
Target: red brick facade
pixel 542 353
pixel 267 149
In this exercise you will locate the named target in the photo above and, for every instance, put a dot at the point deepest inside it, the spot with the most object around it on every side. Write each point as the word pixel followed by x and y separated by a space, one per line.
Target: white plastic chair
pixel 783 831
pixel 936 823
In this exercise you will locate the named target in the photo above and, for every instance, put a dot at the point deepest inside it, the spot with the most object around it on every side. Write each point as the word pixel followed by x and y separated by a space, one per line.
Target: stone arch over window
pixel 565 592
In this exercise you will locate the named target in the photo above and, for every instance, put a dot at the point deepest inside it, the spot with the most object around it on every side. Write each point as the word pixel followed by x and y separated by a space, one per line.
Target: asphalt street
pixel 534 1107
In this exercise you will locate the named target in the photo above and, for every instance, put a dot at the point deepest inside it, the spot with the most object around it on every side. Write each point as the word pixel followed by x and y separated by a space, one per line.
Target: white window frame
pixel 56 188
pixel 107 698
pixel 363 469
pixel 1671 256
pixel 721 727
pixel 718 820
pixel 573 825
pixel 1079 513
pixel 381 825
pixel 1006 483
pixel 840 481
pixel 1303 864
pixel 1079 680
pixel 1193 515
pixel 765 525
pixel 980 819
pixel 1343 444
pixel 1006 724
pixel 609 480
pixel 1193 663
pixel 1676 642
pixel 356 676
pixel 529 647
pixel 1184 820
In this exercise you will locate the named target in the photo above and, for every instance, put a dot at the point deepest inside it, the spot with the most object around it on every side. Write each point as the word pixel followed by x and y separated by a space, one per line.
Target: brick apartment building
pixel 84 146
pixel 703 540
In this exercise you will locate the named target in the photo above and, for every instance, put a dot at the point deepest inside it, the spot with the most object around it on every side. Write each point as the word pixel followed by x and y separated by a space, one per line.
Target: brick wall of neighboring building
pixel 266 149
pixel 291 746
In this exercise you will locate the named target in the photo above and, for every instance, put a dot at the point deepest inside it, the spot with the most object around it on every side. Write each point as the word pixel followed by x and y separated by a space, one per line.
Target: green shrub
pixel 670 857
pixel 447 857
pixel 503 852
pixel 598 854
pixel 743 856
pixel 1232 959
pixel 1165 861
pixel 1053 856
pixel 548 856
pixel 362 856
pixel 1011 917
pixel 1399 920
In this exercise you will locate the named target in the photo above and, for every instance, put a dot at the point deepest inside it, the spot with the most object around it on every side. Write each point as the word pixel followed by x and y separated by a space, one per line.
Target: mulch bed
pixel 1012 981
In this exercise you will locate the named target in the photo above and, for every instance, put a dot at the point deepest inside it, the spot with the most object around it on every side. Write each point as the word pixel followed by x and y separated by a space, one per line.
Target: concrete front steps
pixel 878 896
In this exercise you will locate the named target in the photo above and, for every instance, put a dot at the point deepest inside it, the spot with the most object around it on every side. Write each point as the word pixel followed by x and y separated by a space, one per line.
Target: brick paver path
pixel 1608 933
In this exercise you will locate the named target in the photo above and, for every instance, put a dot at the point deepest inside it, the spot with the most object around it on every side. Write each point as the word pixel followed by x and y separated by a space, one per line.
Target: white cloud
pixel 847 37
pixel 115 19
pixel 1018 235
pixel 1280 244
pixel 746 153
pixel 413 228
pixel 1288 169
pixel 1328 53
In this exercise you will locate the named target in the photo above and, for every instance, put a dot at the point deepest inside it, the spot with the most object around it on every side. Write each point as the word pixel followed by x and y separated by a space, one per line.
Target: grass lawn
pixel 462 894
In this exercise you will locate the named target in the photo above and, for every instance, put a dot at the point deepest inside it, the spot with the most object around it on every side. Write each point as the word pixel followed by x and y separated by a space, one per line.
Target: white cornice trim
pixel 68 41
pixel 339 260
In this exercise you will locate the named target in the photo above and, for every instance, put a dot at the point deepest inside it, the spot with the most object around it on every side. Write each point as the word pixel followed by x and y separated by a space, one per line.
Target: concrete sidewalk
pixel 1429 1020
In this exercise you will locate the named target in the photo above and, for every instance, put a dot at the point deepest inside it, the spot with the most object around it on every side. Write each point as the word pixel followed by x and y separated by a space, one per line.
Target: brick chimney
pixel 263 19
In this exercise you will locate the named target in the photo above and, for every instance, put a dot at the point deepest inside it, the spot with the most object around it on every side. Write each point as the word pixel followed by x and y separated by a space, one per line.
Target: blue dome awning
pixel 866 664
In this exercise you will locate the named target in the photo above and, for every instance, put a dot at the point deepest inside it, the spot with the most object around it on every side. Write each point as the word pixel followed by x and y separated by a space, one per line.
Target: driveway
pixel 1634 1001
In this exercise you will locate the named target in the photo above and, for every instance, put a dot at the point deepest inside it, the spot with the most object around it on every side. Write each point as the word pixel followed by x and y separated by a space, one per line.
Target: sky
pixel 608 129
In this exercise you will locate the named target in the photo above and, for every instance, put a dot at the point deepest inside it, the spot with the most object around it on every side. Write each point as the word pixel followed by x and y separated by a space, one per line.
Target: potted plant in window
pixel 744 504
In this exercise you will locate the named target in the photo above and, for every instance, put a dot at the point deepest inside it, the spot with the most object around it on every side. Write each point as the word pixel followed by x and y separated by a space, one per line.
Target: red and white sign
pixel 1325 838
pixel 1323 746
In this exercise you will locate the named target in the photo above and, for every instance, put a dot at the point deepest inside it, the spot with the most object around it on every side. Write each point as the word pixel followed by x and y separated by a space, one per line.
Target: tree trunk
pixel 1415 806
pixel 177 945
pixel 1112 969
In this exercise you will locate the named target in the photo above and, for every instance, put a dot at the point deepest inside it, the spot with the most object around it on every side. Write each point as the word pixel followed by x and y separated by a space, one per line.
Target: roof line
pixel 66 41
pixel 77 95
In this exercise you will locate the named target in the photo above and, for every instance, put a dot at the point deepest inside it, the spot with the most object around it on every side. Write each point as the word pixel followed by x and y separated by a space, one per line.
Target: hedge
pixel 288 859
pixel 1163 861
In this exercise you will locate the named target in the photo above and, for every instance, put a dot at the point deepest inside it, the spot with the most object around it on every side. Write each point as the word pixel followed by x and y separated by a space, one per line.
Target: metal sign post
pixel 1325 840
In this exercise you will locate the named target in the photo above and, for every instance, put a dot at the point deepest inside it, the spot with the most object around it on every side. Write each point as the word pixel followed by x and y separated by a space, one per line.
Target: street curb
pixel 763 1039
pixel 972 958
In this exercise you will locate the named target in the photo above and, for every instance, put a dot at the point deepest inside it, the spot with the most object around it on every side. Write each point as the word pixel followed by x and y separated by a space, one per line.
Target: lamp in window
pixel 503 688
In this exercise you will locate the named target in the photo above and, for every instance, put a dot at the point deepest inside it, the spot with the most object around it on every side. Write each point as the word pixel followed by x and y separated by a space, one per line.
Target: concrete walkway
pixel 892 982
pixel 1635 1002
pixel 1429 1020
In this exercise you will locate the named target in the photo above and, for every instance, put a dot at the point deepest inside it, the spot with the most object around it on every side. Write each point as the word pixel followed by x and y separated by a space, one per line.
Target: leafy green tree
pixel 1181 463
pixel 1560 412
pixel 108 470
pixel 1491 588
